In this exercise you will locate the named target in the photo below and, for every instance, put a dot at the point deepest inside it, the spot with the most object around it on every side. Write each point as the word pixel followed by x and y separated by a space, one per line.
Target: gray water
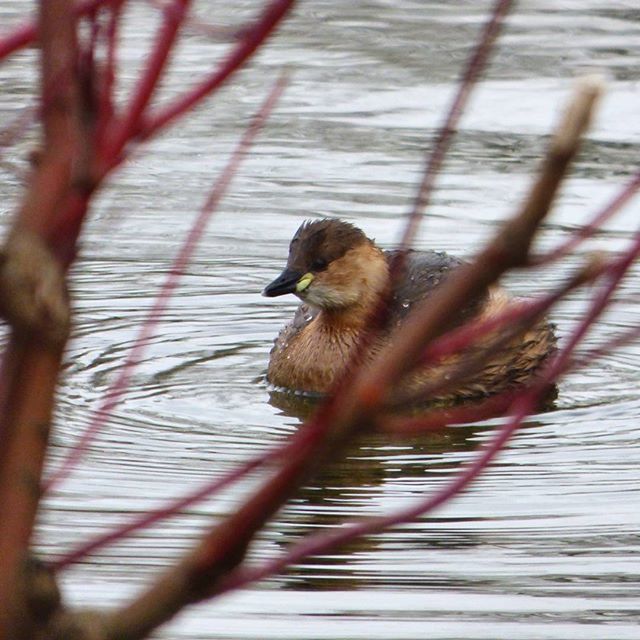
pixel 546 544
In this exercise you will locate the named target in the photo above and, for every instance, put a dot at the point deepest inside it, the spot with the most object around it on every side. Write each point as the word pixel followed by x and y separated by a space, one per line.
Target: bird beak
pixel 286 282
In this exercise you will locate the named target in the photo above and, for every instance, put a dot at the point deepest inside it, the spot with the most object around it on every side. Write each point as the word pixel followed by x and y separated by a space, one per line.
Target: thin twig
pixel 168 510
pixel 119 386
pixel 522 314
pixel 280 452
pixel 583 233
pixel 253 38
pixel 148 82
pixel 439 419
pixel 475 65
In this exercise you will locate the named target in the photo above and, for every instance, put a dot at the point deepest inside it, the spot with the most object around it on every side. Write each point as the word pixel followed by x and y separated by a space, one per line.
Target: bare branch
pixel 148 83
pixel 32 363
pixel 119 386
pixel 252 39
pixel 472 72
pixel 26 34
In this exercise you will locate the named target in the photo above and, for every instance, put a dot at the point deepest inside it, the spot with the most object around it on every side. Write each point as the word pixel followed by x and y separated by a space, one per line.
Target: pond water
pixel 546 545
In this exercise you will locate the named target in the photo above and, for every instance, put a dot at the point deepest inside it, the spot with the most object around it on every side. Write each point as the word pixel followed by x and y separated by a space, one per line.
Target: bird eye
pixel 318 264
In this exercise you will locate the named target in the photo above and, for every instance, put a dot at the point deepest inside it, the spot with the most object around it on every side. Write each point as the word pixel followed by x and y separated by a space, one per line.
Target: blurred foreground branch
pixel 217 562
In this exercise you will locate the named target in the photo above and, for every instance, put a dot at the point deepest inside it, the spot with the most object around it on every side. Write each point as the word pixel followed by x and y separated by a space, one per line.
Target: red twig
pixel 152 517
pixel 578 236
pixel 107 78
pixel 518 313
pixel 252 39
pixel 119 386
pixel 474 68
pixel 523 405
pixel 438 419
pixel 148 83
pixel 608 347
pixel 69 223
pixel 25 34
pixel 18 37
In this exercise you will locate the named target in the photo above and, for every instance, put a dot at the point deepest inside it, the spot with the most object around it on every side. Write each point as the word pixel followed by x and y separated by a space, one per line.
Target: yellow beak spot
pixel 304 282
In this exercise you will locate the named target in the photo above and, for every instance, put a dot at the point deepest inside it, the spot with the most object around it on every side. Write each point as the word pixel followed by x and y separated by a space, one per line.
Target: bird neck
pixel 369 276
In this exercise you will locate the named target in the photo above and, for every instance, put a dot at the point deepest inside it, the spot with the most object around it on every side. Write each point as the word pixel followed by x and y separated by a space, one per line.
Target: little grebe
pixel 341 276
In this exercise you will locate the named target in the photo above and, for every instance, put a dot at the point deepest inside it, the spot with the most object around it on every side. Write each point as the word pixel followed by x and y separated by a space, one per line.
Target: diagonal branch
pixel 251 40
pixel 211 567
pixel 119 386
pixel 126 129
pixel 509 249
pixel 522 406
pixel 472 72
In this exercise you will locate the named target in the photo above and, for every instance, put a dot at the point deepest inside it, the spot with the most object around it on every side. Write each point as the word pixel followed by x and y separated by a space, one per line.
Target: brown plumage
pixel 341 276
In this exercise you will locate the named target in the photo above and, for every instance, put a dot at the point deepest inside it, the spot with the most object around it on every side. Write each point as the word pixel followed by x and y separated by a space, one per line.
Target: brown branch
pixel 204 570
pixel 523 404
pixel 508 250
pixel 32 362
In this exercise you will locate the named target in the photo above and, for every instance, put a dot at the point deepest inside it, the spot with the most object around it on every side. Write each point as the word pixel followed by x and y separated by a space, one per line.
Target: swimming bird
pixel 341 276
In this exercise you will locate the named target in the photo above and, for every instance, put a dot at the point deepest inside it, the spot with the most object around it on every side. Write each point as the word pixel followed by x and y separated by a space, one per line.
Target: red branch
pixel 522 406
pixel 153 517
pixel 252 39
pixel 20 37
pixel 326 541
pixel 148 83
pixel 472 72
pixel 119 386
pixel 595 225
pixel 32 363
pixel 438 419
pixel 523 313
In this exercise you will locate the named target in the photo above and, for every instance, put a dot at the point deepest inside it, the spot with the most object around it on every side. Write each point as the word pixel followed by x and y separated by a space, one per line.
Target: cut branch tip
pixel 579 113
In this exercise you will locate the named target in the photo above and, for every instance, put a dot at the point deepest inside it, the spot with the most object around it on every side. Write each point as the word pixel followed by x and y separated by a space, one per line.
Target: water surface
pixel 546 544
